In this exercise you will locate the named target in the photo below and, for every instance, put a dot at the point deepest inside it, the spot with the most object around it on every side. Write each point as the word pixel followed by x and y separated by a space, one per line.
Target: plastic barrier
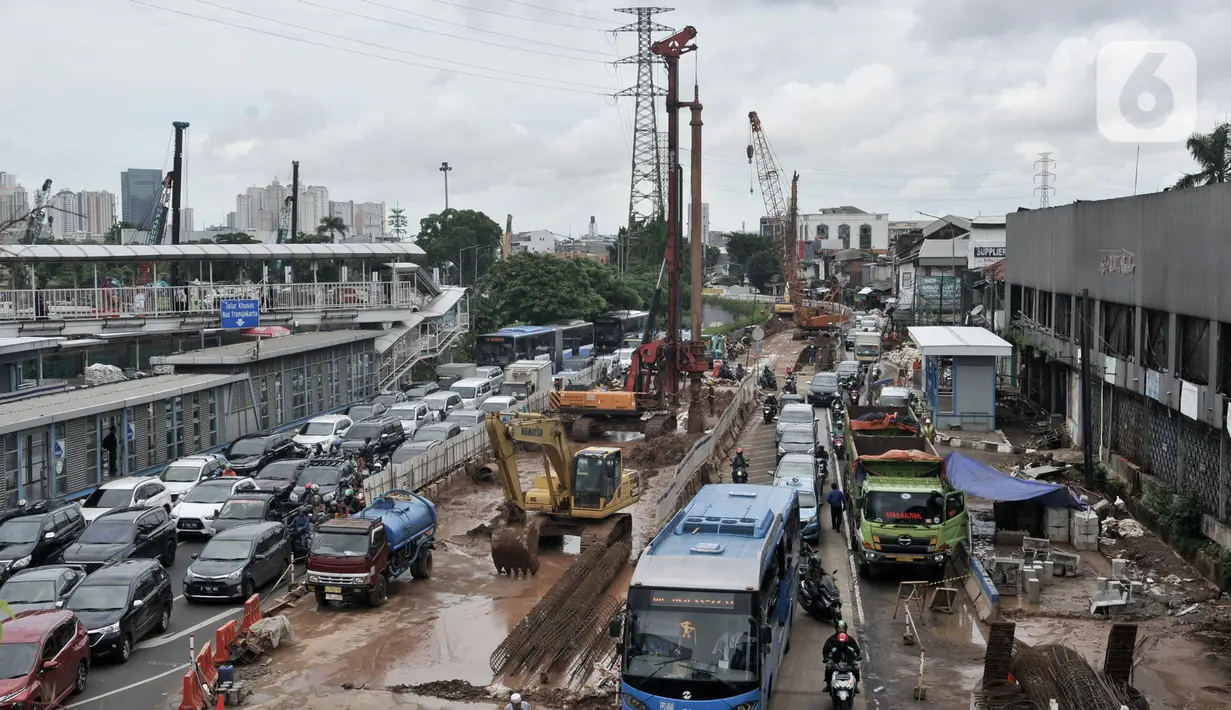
pixel 252 613
pixel 205 666
pixel 224 638
pixel 192 698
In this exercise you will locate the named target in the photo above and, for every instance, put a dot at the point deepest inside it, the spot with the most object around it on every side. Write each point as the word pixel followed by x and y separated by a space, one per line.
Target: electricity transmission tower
pixel 663 156
pixel 1045 177
pixel 645 198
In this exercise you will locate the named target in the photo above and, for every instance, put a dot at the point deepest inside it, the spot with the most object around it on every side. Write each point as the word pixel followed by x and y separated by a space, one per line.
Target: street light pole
pixel 444 168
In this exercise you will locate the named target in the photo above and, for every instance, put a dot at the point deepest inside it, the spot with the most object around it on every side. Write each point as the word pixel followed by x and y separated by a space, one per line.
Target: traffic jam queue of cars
pixel 88 579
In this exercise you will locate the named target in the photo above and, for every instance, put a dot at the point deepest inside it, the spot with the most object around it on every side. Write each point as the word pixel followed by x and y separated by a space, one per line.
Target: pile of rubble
pixel 904 357
pixel 100 374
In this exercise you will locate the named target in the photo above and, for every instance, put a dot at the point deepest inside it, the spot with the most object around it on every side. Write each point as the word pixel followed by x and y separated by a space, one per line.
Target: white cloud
pixel 891 105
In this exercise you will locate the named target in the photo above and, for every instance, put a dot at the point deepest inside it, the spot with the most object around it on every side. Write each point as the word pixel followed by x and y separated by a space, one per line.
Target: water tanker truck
pixel 354 559
pixel 906 512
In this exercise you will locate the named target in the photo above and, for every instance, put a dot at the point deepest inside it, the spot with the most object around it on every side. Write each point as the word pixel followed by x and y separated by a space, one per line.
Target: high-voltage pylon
pixel 645 198
pixel 1045 177
pixel 664 169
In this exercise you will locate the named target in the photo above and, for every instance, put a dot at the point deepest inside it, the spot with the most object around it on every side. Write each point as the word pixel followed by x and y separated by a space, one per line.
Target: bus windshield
pixel 707 640
pixel 488 353
pixel 608 333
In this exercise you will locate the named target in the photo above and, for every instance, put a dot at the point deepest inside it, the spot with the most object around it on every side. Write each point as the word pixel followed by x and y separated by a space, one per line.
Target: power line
pixel 514 17
pixel 473 29
pixel 388 48
pixel 361 53
pixel 558 12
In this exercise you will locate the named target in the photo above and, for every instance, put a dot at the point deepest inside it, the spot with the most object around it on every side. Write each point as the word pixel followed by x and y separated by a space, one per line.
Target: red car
pixel 44 657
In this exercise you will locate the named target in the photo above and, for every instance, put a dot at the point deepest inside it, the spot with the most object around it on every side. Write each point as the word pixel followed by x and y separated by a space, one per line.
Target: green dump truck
pixel 905 511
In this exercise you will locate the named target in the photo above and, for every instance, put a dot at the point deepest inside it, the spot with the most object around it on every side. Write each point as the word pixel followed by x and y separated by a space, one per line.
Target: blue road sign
pixel 130 432
pixel 243 313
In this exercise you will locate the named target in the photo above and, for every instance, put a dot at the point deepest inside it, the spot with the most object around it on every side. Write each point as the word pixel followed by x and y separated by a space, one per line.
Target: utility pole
pixel 294 200
pixel 645 194
pixel 444 168
pixel 1087 413
pixel 176 189
pixel 1044 176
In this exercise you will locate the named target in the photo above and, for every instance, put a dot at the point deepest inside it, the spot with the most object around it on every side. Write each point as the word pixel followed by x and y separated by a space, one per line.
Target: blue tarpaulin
pixel 978 479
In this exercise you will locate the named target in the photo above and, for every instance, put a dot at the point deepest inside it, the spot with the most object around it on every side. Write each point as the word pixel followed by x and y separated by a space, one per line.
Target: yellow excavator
pixel 576 494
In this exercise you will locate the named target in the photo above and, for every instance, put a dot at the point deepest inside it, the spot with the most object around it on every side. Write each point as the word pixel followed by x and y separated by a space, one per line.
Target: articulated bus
pixel 520 342
pixel 612 329
pixel 574 334
pixel 711 602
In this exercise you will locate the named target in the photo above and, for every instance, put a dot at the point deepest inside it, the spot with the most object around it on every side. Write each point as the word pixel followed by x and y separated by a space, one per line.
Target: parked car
pixel 238 561
pixel 38 533
pixel 444 401
pixel 244 509
pixel 823 388
pixel 44 658
pixel 388 398
pixel 132 491
pixel 248 454
pixel 182 474
pixel 414 415
pixel 374 438
pixel 322 431
pixel 794 415
pixel 466 418
pixel 199 505
pixel 419 390
pixel 121 604
pixel 797 440
pixel 124 533
pixel 473 391
pixel 44 587
pixel 362 412
pixel 326 474
pixel 800 466
pixel 280 477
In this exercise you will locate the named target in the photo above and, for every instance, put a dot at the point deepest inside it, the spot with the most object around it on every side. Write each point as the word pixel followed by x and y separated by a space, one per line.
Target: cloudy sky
pixel 894 106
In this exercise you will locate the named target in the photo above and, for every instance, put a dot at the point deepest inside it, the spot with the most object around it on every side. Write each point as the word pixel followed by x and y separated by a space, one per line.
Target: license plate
pixel 333 597
pixel 333 590
pixel 210 590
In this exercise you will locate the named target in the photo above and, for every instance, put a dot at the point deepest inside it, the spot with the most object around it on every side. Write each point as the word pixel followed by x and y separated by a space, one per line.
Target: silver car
pixel 794 415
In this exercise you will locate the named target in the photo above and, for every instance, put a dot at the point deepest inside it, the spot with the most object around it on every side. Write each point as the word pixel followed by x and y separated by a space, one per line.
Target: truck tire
pixel 865 570
pixel 380 594
pixel 320 598
pixel 422 568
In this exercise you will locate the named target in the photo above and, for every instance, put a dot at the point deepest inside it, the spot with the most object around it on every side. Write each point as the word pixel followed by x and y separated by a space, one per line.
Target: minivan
pixel 492 374
pixel 894 397
pixel 473 391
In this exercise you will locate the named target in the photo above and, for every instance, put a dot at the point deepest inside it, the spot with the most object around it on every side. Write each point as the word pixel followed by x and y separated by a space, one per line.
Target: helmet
pixel 843 638
pixel 349 492
pixel 841 626
pixel 515 698
pixel 740 450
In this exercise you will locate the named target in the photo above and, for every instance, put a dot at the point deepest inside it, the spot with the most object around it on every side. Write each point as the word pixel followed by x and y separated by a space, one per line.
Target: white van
pixel 473 391
pixel 492 374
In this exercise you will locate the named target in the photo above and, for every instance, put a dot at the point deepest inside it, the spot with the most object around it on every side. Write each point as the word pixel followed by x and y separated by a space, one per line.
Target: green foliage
pixel 460 237
pixel 1212 154
pixel 753 256
pixel 235 238
pixel 331 226
pixel 1179 513
pixel 535 288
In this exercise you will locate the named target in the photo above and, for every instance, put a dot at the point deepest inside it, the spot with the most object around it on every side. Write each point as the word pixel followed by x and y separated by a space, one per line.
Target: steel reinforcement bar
pixel 601 649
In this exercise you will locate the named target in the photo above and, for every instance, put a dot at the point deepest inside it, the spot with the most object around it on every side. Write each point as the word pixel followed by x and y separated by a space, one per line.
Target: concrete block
pixel 1034 591
pixel 1102 584
pixel 1119 567
pixel 1006 574
pixel 1114 585
pixel 1136 591
pixel 1056 524
pixel 1067 564
pixel 1049 569
pixel 1085 542
pixel 1012 538
pixel 1040 573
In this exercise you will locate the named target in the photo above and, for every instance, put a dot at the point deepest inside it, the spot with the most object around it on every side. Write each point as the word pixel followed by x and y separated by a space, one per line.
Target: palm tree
pixel 331 226
pixel 1212 153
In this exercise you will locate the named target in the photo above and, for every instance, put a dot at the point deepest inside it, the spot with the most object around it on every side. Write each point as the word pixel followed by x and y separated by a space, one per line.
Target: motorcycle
pixel 739 474
pixel 839 445
pixel 767 411
pixel 854 393
pixel 789 386
pixel 842 686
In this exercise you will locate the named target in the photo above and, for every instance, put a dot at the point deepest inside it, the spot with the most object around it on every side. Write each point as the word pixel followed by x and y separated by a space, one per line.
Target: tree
pixel 1212 153
pixel 617 293
pixel 236 238
pixel 761 270
pixel 535 288
pixel 467 238
pixel 754 256
pixel 398 222
pixel 332 226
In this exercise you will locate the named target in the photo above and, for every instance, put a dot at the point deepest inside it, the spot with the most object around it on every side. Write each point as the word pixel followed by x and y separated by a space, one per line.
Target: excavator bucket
pixel 515 542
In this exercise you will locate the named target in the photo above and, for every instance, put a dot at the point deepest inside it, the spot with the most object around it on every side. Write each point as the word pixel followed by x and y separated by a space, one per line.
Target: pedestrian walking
pixel 836 502
pixel 110 444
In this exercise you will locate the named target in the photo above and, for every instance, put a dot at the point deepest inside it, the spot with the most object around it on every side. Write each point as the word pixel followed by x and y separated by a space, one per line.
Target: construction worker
pixel 516 703
pixel 929 431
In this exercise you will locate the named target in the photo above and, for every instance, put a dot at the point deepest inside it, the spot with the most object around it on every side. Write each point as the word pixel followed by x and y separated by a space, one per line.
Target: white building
pixel 14 202
pixel 98 209
pixel 836 228
pixel 7 180
pixel 369 221
pixel 987 242
pixel 313 207
pixel 539 241
pixel 259 208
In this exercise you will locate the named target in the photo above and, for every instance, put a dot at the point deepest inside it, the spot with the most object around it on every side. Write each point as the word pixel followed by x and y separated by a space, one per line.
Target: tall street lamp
pixel 444 168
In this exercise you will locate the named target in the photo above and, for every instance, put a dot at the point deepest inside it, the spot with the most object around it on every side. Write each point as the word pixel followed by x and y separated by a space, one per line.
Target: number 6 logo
pixel 1145 92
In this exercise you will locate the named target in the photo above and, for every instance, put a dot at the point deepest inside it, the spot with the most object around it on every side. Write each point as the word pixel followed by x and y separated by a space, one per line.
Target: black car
pixel 327 474
pixel 823 388
pixel 249 454
pixel 121 534
pixel 246 508
pixel 238 561
pixel 362 412
pixel 374 438
pixel 39 533
pixel 44 587
pixel 121 604
pixel 280 477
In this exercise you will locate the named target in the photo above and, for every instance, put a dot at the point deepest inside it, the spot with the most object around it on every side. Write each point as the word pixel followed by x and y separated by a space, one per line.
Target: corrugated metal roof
pixel 243 353
pixel 959 341
pixel 12 346
pixel 83 402
pixel 204 252
pixel 944 249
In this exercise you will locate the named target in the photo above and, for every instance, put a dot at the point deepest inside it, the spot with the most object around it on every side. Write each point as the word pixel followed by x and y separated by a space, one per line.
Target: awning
pixel 978 479
pixel 865 290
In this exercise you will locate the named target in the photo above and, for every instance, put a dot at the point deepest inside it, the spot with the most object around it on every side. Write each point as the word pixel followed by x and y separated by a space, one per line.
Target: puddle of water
pixel 962 626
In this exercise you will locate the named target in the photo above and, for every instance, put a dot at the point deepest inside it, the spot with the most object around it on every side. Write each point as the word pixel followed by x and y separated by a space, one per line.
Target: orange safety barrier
pixel 224 638
pixel 205 666
pixel 193 698
pixel 252 613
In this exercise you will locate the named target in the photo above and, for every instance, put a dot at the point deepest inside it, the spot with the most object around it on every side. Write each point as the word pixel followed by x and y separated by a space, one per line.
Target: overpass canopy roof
pixel 44 253
pixel 958 341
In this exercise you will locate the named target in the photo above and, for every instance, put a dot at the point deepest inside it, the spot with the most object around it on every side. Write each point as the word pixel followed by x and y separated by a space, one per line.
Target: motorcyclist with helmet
pixel 841 648
pixel 739 463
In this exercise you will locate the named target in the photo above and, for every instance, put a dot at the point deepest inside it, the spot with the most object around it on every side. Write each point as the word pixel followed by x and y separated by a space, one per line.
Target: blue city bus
pixel 611 329
pixel 711 602
pixel 519 342
pixel 574 335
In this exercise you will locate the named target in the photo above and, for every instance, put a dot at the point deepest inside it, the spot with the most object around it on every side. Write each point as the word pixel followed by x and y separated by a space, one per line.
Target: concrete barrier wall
pixel 978 586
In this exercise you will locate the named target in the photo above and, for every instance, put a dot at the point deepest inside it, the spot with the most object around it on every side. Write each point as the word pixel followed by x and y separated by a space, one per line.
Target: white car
pixel 197 507
pixel 444 401
pixel 182 474
pixel 503 405
pixel 806 487
pixel 794 415
pixel 323 431
pixel 133 491
pixel 414 415
pixel 473 391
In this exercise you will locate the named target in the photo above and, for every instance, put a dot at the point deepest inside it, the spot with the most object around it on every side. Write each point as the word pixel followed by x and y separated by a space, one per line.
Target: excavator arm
pixel 549 434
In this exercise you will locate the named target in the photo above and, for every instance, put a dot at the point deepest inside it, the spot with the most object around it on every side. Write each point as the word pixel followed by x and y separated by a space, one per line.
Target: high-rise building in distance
pixel 140 189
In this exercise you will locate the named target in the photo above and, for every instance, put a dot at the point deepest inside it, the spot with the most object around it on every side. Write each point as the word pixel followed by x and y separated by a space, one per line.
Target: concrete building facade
pixel 539 241
pixel 836 228
pixel 139 191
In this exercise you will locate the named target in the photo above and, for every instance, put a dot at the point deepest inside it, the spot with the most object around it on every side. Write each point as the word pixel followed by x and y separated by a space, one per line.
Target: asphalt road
pixel 153 676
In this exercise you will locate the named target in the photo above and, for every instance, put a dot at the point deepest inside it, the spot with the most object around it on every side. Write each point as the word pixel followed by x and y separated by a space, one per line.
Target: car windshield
pixel 825 379
pixel 109 498
pixel 361 411
pixel 202 493
pixel 692 636
pixel 576 364
pixel 243 510
pixel 28 591
pixel 909 508
pixel 17 659
pixel 421 390
pixel 99 597
pixel 404 412
pixel 279 470
pixel 893 400
pixel 464 392
pixel 104 532
pixel 794 469
pixel 316 429
pixel 794 415
pixel 431 434
pixel 807 499
pixel 20 531
pixel 362 431
pixel 496 405
pixel 226 550
pixel 179 474
pixel 796 436
pixel 247 447
pixel 866 350
pixel 320 476
pixel 848 367
pixel 339 544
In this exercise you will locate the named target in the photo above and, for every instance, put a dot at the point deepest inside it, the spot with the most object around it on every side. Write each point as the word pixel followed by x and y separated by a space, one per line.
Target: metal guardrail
pixel 148 301
pixel 669 502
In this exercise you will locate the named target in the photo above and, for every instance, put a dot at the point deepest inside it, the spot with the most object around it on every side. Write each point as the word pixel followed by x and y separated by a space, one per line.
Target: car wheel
pixel 126 648
pixel 83 671
pixel 168 557
pixel 247 588
pixel 164 619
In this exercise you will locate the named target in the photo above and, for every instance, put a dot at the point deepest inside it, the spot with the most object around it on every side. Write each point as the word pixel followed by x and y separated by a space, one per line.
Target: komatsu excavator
pixel 576 494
